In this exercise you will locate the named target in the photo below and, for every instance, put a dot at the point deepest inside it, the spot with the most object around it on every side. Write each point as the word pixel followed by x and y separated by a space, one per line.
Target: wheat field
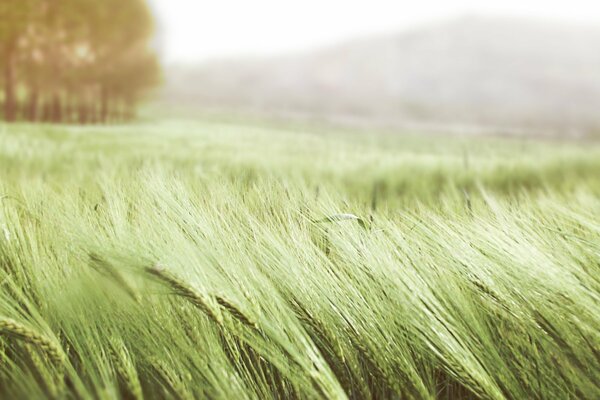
pixel 206 259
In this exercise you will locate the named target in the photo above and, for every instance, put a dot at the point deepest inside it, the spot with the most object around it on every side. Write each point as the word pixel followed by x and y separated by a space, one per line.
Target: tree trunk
pixel 56 108
pixel 32 108
pixel 117 110
pixel 129 110
pixel 10 103
pixel 94 113
pixel 82 112
pixel 67 108
pixel 103 105
pixel 47 110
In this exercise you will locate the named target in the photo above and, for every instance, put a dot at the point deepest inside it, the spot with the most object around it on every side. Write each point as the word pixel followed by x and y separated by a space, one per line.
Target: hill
pixel 501 72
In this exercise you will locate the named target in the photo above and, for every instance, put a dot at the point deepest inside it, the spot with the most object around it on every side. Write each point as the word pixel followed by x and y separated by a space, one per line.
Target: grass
pixel 206 260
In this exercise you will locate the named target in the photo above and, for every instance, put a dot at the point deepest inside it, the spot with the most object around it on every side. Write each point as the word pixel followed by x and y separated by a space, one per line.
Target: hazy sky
pixel 196 30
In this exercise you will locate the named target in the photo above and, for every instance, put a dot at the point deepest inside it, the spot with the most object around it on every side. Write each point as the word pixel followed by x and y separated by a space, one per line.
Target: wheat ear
pixel 12 328
pixel 181 288
pixel 126 369
pixel 175 382
pixel 236 312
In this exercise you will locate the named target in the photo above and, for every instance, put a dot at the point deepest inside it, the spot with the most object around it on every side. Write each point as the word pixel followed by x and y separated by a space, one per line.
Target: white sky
pixel 196 30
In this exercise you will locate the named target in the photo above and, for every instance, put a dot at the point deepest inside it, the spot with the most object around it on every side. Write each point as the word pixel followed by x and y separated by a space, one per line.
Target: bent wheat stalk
pixel 236 312
pixel 107 269
pixel 12 328
pixel 176 384
pixel 42 370
pixel 181 288
pixel 126 369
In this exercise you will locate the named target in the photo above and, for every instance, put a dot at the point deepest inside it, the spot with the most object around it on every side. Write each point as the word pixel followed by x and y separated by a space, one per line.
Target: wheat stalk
pixel 125 369
pixel 110 271
pixel 181 288
pixel 342 217
pixel 175 382
pixel 47 378
pixel 10 327
pixel 236 312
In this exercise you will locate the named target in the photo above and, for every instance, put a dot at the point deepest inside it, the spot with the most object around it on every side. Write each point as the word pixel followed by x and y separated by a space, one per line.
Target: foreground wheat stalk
pixel 183 289
pixel 12 328
pixel 175 383
pixel 236 312
pixel 126 369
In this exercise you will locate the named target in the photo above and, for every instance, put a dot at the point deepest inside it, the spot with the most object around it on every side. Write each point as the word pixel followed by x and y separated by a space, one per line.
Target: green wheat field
pixel 214 260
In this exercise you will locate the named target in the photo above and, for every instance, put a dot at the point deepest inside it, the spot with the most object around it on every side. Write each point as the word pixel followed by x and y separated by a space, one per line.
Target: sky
pixel 199 30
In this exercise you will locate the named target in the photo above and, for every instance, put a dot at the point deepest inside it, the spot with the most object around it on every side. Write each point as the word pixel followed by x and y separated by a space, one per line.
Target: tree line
pixel 83 61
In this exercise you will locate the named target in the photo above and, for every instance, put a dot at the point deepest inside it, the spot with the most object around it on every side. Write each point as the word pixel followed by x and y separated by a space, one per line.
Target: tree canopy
pixel 75 60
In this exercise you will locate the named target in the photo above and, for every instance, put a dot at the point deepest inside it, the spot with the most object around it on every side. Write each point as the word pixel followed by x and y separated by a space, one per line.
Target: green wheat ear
pixel 107 269
pixel 125 368
pixel 12 328
pixel 172 379
pixel 236 312
pixel 181 288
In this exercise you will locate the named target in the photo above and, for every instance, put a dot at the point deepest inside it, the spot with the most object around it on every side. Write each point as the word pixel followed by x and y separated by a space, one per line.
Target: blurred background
pixel 509 67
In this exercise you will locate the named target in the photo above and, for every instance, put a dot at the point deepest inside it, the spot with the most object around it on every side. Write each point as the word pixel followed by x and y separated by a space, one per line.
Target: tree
pixel 125 65
pixel 16 16
pixel 88 59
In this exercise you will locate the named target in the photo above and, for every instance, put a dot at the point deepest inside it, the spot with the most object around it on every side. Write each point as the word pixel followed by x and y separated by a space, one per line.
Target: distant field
pixel 228 261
